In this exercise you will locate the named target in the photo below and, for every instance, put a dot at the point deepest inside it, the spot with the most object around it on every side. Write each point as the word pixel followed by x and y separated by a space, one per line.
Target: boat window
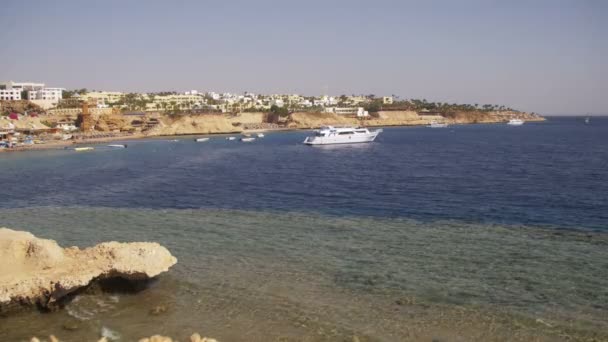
pixel 319 134
pixel 360 131
pixel 345 133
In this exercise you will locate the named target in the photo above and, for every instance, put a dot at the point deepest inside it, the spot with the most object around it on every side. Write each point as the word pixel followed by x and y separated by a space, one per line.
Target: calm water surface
pixel 478 232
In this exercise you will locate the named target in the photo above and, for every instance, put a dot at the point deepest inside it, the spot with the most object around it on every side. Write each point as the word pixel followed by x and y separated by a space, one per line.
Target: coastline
pixel 375 123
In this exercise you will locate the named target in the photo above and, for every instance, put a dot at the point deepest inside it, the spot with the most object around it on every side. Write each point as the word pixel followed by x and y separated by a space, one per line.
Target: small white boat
pixel 118 145
pixel 435 124
pixel 260 135
pixel 515 122
pixel 82 149
pixel 230 138
pixel 201 139
pixel 247 139
pixel 587 120
pixel 341 135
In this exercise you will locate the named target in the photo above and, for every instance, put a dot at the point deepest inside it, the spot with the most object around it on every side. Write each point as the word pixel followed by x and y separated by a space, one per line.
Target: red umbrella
pixel 13 116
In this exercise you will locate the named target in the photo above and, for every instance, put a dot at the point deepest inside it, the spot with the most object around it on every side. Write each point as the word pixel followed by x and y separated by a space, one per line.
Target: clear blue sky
pixel 544 56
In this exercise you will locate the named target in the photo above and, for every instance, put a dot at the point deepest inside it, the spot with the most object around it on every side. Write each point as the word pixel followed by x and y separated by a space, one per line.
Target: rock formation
pixel 36 271
pixel 156 338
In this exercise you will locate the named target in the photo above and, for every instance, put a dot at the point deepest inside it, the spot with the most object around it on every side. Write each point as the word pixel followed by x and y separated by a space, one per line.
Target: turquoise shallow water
pixel 265 274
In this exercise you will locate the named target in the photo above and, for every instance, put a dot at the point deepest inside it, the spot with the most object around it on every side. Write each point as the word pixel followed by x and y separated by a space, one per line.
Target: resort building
pixel 354 100
pixel 50 94
pixel 175 101
pixel 103 98
pixel 10 94
pixel 387 100
pixel 35 92
pixel 21 86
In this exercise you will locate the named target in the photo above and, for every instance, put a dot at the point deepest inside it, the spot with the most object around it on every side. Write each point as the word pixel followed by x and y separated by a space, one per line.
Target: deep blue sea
pixel 553 173
pixel 470 233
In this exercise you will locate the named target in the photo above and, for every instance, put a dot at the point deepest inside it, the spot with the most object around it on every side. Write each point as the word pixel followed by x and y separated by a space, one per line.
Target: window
pixel 345 133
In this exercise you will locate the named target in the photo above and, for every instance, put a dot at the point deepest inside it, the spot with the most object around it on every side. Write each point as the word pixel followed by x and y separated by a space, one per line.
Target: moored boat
pixel 246 139
pixel 435 124
pixel 260 135
pixel 82 149
pixel 341 135
pixel 230 138
pixel 515 122
pixel 201 139
pixel 118 145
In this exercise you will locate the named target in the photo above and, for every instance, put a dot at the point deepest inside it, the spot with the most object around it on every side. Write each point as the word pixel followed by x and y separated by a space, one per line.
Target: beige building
pixel 175 101
pixel 354 100
pixel 387 100
pixel 103 98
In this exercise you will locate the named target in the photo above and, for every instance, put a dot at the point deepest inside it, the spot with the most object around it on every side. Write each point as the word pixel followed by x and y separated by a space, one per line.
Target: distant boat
pixel 118 145
pixel 341 135
pixel 515 122
pixel 435 124
pixel 587 120
pixel 82 149
pixel 201 139
pixel 230 138
pixel 247 139
pixel 260 135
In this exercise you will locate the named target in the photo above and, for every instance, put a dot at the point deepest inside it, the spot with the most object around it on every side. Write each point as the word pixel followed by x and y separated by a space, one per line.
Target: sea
pixel 483 232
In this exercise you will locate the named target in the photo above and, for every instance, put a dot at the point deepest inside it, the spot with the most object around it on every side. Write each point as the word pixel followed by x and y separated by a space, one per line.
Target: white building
pixel 36 92
pixel 213 95
pixel 277 102
pixel 22 85
pixel 10 94
pixel 49 94
pixel 305 103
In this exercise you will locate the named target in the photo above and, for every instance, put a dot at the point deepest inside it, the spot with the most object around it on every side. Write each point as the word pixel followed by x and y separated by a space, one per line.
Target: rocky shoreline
pixel 39 273
pixel 238 124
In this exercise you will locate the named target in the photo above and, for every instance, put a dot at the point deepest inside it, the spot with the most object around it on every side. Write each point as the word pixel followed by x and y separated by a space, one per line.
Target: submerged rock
pixel 156 338
pixel 194 338
pixel 70 326
pixel 157 310
pixel 36 271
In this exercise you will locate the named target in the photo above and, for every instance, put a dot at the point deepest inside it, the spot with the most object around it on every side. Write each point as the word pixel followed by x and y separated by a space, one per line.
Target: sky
pixel 548 57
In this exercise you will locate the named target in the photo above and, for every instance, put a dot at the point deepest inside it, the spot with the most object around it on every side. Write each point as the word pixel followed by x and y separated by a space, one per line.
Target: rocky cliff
pixel 205 123
pixel 36 271
pixel 306 120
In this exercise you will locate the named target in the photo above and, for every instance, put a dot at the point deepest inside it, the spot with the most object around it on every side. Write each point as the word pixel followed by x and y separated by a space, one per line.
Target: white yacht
pixel 260 135
pixel 230 138
pixel 435 124
pixel 201 139
pixel 341 135
pixel 515 122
